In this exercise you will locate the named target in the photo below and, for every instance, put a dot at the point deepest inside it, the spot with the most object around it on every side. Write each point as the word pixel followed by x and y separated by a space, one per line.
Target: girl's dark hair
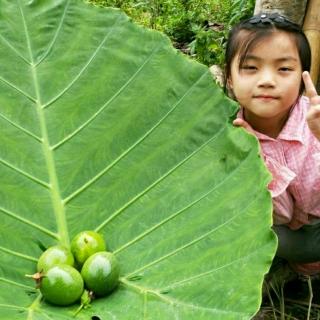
pixel 258 27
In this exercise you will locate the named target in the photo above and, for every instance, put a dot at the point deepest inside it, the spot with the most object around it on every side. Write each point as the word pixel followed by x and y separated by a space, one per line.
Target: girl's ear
pixel 229 84
pixel 229 87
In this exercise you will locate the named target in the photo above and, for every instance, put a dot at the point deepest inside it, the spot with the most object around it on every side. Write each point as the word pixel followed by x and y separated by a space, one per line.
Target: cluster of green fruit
pixel 58 277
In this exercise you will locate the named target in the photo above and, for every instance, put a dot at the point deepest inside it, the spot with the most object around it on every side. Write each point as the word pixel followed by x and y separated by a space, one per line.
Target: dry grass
pixel 296 299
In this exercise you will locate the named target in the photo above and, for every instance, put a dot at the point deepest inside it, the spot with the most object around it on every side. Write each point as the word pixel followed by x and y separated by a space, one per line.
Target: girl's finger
pixel 315 100
pixel 313 113
pixel 310 88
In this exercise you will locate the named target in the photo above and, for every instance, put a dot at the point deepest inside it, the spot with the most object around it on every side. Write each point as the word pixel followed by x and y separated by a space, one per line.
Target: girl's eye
pixel 249 67
pixel 285 69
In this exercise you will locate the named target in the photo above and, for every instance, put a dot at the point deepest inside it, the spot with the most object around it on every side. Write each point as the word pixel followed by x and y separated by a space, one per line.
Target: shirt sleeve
pixel 282 201
pixel 281 176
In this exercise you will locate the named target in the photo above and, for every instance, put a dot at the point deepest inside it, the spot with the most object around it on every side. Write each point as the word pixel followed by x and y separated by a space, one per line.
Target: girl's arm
pixel 313 115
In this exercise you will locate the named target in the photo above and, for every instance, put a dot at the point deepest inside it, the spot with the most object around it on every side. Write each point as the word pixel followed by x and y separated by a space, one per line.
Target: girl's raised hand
pixel 313 114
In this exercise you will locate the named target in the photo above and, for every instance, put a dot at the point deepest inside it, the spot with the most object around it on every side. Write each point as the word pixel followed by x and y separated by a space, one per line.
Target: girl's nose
pixel 266 79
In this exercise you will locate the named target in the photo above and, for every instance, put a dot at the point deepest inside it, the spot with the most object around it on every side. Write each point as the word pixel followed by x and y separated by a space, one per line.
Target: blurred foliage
pixel 199 28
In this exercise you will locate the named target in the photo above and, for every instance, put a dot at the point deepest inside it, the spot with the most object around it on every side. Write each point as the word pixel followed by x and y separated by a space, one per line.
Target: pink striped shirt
pixel 293 159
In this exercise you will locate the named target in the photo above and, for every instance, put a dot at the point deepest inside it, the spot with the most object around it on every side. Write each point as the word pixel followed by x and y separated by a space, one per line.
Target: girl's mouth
pixel 266 97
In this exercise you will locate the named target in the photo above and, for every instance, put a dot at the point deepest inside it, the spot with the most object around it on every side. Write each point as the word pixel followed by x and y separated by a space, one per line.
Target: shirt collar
pixel 294 128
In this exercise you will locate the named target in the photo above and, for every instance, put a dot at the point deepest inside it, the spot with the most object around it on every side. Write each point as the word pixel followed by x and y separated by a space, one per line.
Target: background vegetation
pixel 197 27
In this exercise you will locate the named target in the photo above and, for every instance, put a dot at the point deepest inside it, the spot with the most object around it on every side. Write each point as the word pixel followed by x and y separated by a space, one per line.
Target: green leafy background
pixel 104 126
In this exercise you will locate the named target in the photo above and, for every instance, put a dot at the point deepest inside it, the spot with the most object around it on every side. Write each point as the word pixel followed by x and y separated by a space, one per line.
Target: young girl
pixel 267 63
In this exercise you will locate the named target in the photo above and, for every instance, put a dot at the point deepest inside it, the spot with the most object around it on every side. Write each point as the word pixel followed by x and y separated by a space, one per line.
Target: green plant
pixel 101 273
pixel 106 127
pixel 53 256
pixel 85 244
pixel 209 43
pixel 198 28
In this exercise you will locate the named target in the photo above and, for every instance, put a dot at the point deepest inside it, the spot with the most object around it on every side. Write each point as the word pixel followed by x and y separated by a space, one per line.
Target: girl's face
pixel 267 84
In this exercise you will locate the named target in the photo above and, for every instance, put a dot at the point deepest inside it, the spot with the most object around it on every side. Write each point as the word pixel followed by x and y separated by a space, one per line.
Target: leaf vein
pixel 43 57
pixel 161 223
pixel 27 175
pixel 35 305
pixel 11 282
pixel 106 169
pixel 77 77
pixel 57 204
pixel 145 309
pixel 18 254
pixel 172 301
pixel 104 106
pixel 204 274
pixel 11 306
pixel 29 223
pixel 104 223
pixel 189 243
pixel 20 128
pixel 14 49
pixel 11 85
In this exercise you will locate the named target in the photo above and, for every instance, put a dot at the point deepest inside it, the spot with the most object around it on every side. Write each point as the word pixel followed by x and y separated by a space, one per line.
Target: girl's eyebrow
pixel 281 59
pixel 287 59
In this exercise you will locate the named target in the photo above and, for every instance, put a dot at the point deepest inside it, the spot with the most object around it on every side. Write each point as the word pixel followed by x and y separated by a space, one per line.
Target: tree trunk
pixel 311 28
pixel 292 9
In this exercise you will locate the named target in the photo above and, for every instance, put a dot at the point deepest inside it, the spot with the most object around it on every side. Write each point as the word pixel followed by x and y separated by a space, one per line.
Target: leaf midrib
pixel 58 206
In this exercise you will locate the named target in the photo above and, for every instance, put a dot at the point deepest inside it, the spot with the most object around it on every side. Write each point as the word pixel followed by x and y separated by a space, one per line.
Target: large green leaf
pixel 104 126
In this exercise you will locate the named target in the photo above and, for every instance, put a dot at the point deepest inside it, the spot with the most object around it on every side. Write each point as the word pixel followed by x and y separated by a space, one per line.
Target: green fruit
pixel 85 244
pixel 61 285
pixel 53 256
pixel 101 273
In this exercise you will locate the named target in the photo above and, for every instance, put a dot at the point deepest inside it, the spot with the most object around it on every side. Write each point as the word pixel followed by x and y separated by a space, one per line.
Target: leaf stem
pixel 57 203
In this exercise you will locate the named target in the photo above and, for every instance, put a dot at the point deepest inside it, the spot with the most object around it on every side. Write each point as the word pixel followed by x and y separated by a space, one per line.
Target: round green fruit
pixel 85 244
pixel 53 256
pixel 101 273
pixel 61 285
